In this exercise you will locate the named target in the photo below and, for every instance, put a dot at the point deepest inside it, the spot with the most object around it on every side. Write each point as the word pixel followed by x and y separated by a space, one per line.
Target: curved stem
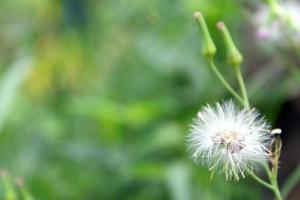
pixel 291 182
pixel 259 180
pixel 242 86
pixel 225 83
pixel 273 185
pixel 268 170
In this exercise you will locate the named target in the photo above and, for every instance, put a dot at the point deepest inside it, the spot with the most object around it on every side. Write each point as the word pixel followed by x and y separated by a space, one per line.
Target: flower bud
pixel 208 48
pixel 234 57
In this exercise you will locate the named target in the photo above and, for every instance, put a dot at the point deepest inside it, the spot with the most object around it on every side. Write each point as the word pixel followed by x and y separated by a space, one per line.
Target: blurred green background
pixel 96 97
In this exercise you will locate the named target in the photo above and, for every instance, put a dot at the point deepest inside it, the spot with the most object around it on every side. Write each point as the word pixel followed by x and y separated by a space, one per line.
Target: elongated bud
pixel 208 48
pixel 234 57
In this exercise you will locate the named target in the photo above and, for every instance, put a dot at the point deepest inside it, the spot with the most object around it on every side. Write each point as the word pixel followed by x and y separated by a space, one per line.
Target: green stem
pixel 290 183
pixel 273 185
pixel 273 180
pixel 268 170
pixel 259 180
pixel 276 190
pixel 242 86
pixel 224 82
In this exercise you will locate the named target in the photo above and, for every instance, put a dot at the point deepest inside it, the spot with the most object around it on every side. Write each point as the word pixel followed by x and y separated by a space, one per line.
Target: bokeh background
pixel 96 97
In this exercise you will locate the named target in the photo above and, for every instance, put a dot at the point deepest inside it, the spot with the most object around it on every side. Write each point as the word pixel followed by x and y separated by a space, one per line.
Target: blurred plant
pixel 11 83
pixel 277 24
pixel 9 188
pixel 275 21
pixel 273 63
pixel 26 195
pixel 231 140
pixel 104 98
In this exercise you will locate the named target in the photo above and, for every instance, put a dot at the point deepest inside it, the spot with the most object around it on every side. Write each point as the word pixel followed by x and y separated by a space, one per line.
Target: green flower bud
pixel 234 57
pixel 208 48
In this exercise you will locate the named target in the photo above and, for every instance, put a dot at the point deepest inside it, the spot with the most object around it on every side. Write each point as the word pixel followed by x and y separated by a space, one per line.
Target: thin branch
pixel 259 180
pixel 225 83
pixel 242 86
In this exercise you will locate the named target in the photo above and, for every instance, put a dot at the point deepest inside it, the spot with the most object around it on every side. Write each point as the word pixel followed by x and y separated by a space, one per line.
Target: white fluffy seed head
pixel 228 139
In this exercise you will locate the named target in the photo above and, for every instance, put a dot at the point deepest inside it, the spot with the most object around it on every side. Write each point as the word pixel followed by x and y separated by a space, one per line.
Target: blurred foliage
pixel 95 97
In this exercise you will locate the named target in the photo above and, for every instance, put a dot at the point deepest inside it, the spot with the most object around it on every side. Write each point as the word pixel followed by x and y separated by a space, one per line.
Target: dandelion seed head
pixel 231 140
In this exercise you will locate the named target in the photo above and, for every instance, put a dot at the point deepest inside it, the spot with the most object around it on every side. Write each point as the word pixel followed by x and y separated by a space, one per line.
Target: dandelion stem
pixel 276 190
pixel 259 180
pixel 273 181
pixel 272 186
pixel 225 83
pixel 242 86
